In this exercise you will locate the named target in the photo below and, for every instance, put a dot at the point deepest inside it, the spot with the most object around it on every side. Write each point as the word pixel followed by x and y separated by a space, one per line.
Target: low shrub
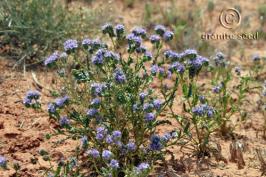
pixel 115 95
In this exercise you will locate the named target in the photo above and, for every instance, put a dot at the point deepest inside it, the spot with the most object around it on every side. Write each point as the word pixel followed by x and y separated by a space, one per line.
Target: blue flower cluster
pixel 255 58
pixel 93 45
pixel 217 88
pixel 70 45
pixel 203 110
pixel 139 31
pixel 64 121
pixel 113 138
pixel 163 32
pixel 103 55
pixel 97 89
pixel 120 30
pixel 237 70
pixel 31 98
pixel 173 56
pixel 219 60
pixel 51 59
pixel 58 103
pixel 108 29
pixel 195 64
pixel 157 142
pixel 119 76
pixel 142 167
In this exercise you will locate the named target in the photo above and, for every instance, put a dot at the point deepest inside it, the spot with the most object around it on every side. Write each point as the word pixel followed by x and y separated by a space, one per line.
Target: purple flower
pixel 116 135
pixel 154 39
pixel 64 121
pixel 161 71
pixel 149 117
pixel 154 69
pixel 70 45
pixel 30 96
pixel 198 110
pixel 92 112
pixel 109 55
pixel 138 31
pixel 114 164
pixel 255 57
pixel 27 101
pixel 174 134
pixel 109 139
pixel 86 42
pixel 60 102
pixel 119 144
pixel 168 35
pixel 101 130
pixel 142 167
pixel 172 55
pixel 96 102
pixel 237 70
pixel 94 45
pixel 106 154
pixel 99 136
pixel 119 29
pixel 131 146
pixel 189 53
pixel 33 94
pixel 51 108
pixel 203 110
pixel 202 99
pixel 119 76
pixel 94 153
pixel 148 107
pixel 100 133
pixel 51 59
pixel 148 55
pixel 166 137
pixel 3 162
pixel 142 96
pixel 97 59
pixel 134 40
pixel 217 88
pixel 196 64
pixel 157 104
pixel 97 88
pixel 155 144
pixel 178 67
pixel 219 59
pixel 160 29
pixel 141 49
pixel 108 29
pixel 168 53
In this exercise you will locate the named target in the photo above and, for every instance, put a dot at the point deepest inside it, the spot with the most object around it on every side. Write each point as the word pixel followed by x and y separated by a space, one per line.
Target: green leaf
pixel 186 128
pixel 162 122
pixel 185 89
pixel 190 90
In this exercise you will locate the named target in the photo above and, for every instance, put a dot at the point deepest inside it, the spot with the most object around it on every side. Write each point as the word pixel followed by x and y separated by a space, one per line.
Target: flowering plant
pixel 114 95
pixel 109 100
